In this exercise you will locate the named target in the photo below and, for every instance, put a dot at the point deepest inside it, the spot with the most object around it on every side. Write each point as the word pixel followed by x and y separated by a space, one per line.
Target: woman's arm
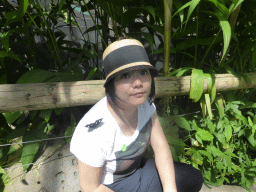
pixel 163 156
pixel 89 178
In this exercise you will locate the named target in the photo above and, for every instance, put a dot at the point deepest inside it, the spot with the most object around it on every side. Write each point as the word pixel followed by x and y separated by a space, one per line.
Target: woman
pixel 111 140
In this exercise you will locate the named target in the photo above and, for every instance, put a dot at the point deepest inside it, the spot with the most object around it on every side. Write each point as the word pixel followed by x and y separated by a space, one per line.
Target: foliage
pixel 223 148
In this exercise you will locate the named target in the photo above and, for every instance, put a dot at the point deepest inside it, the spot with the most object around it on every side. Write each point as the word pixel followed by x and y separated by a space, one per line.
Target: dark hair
pixel 110 90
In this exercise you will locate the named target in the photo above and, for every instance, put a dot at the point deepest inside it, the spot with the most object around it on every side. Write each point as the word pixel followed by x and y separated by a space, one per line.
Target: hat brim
pixel 153 71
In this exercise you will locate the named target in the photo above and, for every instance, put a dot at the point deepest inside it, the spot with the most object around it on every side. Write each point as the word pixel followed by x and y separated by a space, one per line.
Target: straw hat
pixel 123 56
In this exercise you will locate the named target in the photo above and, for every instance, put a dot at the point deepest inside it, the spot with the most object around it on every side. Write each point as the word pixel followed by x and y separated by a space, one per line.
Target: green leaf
pixel 192 7
pixel 5 40
pixel 3 79
pixel 197 84
pixel 181 122
pixel 181 8
pixel 203 106
pixel 58 111
pixel 210 125
pixel 226 29
pixel 149 39
pixel 61 5
pixel 220 137
pixel 228 132
pixel 207 154
pixel 228 161
pixel 16 16
pixel 12 116
pixel 209 81
pixel 50 127
pixel 214 151
pixel 204 135
pixel 45 114
pixel 230 70
pixel 94 28
pixel 69 132
pixel 35 76
pixel 179 72
pixel 17 133
pixel 250 136
pixel 197 158
pixel 159 29
pixel 23 7
pixel 4 177
pixel 208 104
pixel 234 108
pixel 91 73
pixel 220 106
pixel 183 71
pixel 9 54
pixel 29 151
pixel 178 5
pixel 250 121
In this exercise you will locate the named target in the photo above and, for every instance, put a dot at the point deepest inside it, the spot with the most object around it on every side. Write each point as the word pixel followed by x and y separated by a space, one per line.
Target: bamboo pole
pixel 28 97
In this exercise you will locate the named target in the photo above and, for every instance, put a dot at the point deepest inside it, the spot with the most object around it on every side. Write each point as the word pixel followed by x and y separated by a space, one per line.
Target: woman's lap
pixel 146 178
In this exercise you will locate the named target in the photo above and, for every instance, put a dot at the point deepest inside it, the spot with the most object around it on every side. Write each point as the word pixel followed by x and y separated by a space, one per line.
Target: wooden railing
pixel 28 97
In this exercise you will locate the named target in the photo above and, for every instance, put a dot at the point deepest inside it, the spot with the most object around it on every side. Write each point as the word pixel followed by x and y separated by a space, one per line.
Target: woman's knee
pixel 187 177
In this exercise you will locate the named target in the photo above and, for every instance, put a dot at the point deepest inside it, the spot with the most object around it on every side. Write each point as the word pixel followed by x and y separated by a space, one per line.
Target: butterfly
pixel 95 124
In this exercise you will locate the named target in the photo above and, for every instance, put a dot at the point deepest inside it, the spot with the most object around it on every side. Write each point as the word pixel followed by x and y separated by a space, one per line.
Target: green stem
pixel 197 36
pixel 167 34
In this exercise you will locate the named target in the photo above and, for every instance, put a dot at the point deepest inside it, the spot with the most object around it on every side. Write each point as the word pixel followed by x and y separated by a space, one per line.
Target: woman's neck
pixel 124 116
pixel 127 112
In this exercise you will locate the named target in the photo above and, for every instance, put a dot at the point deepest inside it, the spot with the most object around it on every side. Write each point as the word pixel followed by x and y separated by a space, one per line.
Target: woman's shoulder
pixel 96 121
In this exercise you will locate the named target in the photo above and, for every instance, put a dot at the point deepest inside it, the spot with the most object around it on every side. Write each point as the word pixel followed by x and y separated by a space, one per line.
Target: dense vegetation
pixel 206 37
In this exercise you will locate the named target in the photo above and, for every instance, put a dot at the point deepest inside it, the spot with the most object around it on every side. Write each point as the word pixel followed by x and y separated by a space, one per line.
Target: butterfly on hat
pixel 94 125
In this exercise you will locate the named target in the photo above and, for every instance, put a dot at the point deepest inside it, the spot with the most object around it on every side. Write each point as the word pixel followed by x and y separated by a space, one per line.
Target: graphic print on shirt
pixel 128 161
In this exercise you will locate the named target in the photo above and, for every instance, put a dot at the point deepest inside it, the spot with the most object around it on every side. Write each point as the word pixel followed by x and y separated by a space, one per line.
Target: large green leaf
pixel 204 135
pixel 181 122
pixel 12 116
pixel 15 16
pixel 197 84
pixel 29 151
pixel 35 76
pixel 192 42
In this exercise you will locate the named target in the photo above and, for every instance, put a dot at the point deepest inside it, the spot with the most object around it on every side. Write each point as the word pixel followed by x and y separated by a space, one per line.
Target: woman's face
pixel 133 88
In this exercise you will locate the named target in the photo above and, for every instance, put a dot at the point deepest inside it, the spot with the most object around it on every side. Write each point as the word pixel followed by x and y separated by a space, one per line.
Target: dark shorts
pixel 146 179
